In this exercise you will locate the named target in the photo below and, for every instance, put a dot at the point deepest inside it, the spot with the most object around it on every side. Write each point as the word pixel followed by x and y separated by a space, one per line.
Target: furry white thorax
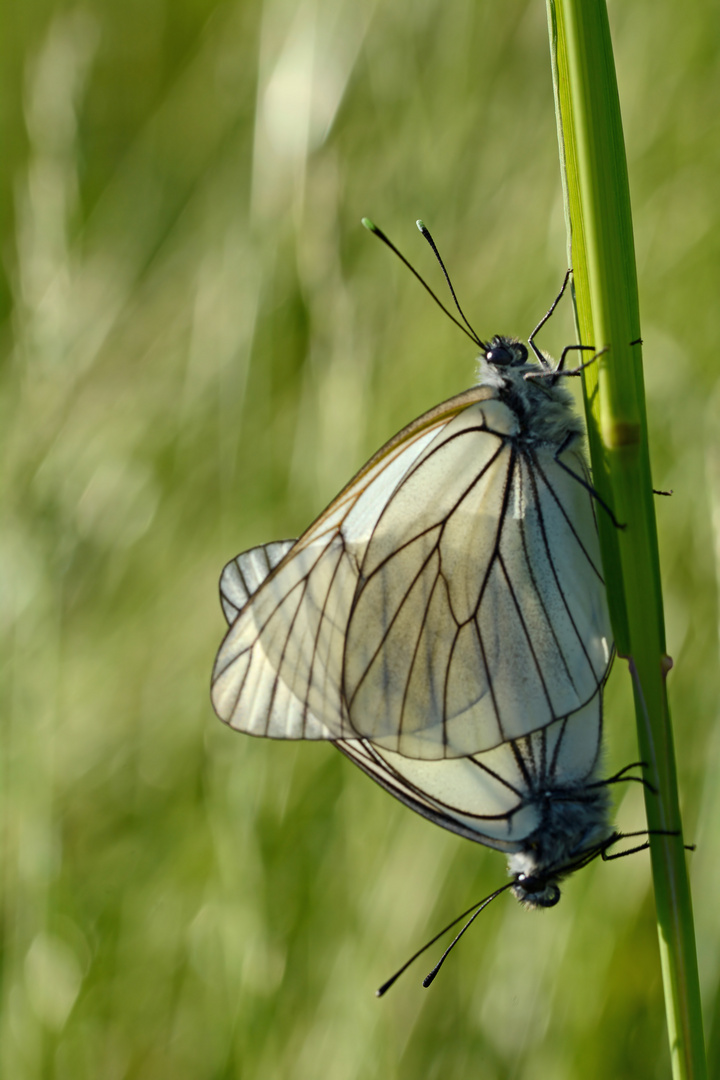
pixel 543 407
pixel 574 825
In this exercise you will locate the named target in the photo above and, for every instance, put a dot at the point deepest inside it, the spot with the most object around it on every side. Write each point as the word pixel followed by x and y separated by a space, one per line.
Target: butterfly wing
pixel 448 600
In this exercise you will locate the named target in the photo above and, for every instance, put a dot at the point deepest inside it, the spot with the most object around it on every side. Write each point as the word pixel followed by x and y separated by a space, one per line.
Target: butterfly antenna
pixel 426 233
pixel 431 976
pixel 371 227
pixel 483 903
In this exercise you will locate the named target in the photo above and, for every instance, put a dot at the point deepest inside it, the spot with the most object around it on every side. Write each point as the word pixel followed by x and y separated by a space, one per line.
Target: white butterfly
pixel 444 622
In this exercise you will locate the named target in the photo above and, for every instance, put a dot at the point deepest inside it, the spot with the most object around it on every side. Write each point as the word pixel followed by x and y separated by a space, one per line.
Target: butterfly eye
pixel 536 891
pixel 503 354
pixel 499 355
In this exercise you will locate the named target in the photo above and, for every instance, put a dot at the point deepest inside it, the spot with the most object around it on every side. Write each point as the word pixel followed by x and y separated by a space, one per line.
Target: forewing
pixel 279 671
pixel 481 613
pixel 414 666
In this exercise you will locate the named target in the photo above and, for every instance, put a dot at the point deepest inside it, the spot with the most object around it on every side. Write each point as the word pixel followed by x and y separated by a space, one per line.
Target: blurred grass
pixel 201 344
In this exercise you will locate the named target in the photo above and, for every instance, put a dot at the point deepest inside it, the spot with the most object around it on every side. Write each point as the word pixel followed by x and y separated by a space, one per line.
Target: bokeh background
pixel 201 344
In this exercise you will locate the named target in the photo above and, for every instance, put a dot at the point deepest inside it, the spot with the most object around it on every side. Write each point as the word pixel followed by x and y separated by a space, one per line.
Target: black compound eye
pixel 500 355
pixel 538 891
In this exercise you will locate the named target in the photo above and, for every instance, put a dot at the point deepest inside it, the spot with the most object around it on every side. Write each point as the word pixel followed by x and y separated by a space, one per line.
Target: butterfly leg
pixel 606 857
pixel 588 487
pixel 620 778
pixel 531 340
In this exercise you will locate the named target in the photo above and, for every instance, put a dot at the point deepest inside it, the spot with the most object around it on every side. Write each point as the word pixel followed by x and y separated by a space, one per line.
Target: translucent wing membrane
pixel 449 600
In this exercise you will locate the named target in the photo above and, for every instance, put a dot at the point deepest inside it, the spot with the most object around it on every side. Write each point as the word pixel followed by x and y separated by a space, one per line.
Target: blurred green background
pixel 200 345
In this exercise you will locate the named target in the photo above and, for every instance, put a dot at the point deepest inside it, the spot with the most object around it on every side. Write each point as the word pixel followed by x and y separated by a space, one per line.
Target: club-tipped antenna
pixel 426 233
pixel 430 977
pixel 371 227
pixel 479 906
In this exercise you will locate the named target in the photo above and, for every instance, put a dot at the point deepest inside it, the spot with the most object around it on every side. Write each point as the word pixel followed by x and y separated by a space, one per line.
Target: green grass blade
pixel 603 259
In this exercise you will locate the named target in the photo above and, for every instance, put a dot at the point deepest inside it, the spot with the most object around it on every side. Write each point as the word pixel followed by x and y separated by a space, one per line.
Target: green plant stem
pixel 603 258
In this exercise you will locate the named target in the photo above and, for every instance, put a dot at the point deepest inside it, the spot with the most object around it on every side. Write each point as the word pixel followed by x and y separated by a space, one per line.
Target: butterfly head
pixel 504 352
pixel 534 890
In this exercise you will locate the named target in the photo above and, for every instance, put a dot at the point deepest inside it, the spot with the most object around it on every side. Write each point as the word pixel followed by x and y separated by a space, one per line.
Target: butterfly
pixel 444 623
